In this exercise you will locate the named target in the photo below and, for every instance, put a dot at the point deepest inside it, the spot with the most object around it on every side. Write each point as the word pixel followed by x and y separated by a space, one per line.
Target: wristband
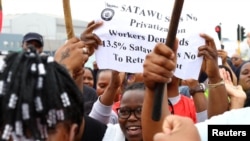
pixel 216 84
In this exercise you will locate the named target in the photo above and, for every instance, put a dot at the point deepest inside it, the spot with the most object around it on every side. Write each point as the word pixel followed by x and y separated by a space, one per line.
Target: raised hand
pixel 72 56
pixel 223 54
pixel 159 65
pixel 91 40
pixel 237 95
pixel 210 58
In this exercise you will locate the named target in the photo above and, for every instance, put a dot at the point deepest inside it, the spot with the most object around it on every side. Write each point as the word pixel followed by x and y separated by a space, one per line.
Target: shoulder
pixel 93 126
pixel 89 93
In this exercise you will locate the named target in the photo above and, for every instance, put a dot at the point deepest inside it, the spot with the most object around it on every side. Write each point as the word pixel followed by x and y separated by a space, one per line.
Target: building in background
pixel 52 28
pixel 10 42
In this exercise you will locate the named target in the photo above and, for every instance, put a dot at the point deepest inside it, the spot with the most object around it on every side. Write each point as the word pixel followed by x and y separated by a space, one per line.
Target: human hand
pixel 159 65
pixel 112 91
pixel 177 128
pixel 115 81
pixel 71 56
pixel 225 75
pixel 91 40
pixel 210 59
pixel 223 54
pixel 236 94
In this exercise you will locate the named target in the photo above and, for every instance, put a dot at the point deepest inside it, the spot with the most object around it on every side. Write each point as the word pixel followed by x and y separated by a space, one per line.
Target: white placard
pixel 132 28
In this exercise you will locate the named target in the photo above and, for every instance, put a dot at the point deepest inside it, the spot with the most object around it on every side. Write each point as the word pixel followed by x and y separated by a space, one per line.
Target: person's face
pixel 236 60
pixel 244 78
pixel 88 78
pixel 103 81
pixel 131 126
pixel 34 43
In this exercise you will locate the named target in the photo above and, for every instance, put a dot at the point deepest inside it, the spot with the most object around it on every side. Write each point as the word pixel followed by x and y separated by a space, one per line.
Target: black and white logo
pixel 107 14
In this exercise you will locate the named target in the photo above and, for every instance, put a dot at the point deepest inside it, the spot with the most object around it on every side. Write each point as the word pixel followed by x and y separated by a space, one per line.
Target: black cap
pixel 33 36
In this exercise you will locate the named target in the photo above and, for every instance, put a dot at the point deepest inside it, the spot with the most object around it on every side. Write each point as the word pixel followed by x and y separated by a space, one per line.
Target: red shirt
pixel 185 107
pixel 116 105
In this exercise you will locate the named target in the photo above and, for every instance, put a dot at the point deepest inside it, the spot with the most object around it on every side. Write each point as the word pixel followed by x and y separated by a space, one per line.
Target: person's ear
pixel 73 132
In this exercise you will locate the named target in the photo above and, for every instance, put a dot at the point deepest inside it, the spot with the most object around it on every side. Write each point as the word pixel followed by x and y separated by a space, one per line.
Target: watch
pixel 199 88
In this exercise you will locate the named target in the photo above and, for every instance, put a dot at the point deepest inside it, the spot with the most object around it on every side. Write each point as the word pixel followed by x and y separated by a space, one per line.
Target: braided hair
pixel 36 93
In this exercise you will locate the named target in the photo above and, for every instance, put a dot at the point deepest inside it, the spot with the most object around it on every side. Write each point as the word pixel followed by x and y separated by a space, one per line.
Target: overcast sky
pixel 227 12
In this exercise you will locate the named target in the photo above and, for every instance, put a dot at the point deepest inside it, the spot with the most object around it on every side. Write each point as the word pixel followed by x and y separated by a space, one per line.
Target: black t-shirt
pixel 93 130
pixel 89 93
pixel 89 97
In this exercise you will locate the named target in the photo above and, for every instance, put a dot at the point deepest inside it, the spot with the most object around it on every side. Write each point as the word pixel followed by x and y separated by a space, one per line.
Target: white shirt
pixel 113 133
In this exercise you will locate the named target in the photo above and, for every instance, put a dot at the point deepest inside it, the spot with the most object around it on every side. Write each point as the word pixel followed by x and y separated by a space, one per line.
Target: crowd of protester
pixel 56 98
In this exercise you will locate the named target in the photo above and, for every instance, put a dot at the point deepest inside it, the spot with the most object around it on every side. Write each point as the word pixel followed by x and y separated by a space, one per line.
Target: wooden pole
pixel 173 26
pixel 68 19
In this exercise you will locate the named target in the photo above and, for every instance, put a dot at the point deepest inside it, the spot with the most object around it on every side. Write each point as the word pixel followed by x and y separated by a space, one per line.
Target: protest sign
pixel 132 28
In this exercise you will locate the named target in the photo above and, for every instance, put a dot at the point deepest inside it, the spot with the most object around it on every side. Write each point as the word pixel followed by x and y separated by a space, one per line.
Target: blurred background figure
pixel 237 62
pixel 34 39
pixel 89 93
pixel 88 77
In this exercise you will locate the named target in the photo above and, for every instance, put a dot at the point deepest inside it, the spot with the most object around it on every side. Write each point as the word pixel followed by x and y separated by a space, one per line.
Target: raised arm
pixel 158 68
pixel 217 98
pixel 75 52
pixel 72 56
pixel 236 94
pixel 196 90
pixel 102 108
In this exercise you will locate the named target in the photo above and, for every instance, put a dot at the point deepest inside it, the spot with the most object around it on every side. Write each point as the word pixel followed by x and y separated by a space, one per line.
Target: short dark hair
pixel 36 93
pixel 91 70
pixel 100 71
pixel 134 86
